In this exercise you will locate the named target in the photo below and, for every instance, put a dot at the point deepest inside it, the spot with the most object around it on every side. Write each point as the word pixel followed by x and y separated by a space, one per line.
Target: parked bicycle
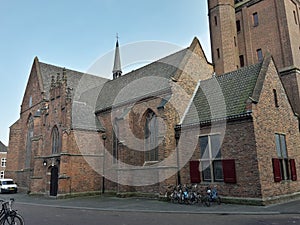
pixel 8 215
pixel 212 196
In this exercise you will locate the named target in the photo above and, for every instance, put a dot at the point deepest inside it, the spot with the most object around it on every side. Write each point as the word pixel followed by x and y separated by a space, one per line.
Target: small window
pixel 3 162
pixel 259 55
pixel 275 98
pixel 218 53
pixel 238 25
pixel 295 17
pixel 234 39
pixel 255 19
pixel 1 174
pixel 242 62
pixel 216 21
pixel 30 101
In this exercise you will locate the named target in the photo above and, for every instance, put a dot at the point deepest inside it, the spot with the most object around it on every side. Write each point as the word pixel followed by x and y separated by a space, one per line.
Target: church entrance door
pixel 54 181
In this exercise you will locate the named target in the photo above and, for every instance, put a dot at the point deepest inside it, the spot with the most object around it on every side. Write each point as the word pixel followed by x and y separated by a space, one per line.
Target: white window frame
pixel 211 160
pixel 3 162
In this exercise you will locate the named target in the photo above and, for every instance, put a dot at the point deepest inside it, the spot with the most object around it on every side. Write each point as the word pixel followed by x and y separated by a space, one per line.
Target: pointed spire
pixel 117 72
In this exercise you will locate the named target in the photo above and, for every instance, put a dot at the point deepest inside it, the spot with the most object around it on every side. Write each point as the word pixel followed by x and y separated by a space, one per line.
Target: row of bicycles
pixel 193 194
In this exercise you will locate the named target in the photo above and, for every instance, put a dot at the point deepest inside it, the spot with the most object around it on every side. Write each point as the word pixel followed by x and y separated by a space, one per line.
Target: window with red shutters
pixel 293 170
pixel 229 172
pixel 194 172
pixel 276 170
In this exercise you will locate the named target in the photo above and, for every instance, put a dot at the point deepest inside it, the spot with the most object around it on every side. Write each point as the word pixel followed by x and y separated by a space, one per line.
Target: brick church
pixel 233 124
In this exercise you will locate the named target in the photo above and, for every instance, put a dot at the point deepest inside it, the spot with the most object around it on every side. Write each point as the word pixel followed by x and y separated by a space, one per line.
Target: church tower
pixel 243 31
pixel 223 35
pixel 117 71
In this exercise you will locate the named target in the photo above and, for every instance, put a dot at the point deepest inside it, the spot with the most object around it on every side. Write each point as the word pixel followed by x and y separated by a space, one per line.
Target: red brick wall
pixel 269 120
pixel 238 144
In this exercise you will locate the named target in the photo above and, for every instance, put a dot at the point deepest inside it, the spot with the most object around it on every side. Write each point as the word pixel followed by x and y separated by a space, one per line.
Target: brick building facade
pixel 245 30
pixel 180 119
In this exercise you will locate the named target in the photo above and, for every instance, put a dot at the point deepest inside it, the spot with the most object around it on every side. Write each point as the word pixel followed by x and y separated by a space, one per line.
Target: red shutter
pixel 229 171
pixel 194 172
pixel 276 170
pixel 293 169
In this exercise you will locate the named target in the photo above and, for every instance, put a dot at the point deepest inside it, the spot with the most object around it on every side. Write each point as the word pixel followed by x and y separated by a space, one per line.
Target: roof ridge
pixel 72 70
pixel 152 63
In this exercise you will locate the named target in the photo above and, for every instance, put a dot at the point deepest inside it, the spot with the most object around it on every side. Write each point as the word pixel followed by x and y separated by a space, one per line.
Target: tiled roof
pixel 142 82
pixel 223 96
pixel 3 148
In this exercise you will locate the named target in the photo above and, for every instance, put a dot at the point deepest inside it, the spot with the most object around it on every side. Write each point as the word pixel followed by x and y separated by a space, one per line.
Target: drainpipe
pixel 103 164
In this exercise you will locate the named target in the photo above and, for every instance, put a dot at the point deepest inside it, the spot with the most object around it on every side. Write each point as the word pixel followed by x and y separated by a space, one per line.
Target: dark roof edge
pixel 261 77
pixel 231 118
pixel 153 94
pixel 87 129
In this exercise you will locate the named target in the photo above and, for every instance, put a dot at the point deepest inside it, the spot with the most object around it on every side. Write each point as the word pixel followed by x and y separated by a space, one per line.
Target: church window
pixel 151 135
pixel 210 158
pixel 259 55
pixel 30 127
pixel 275 98
pixel 255 19
pixel 55 140
pixel 238 25
pixel 115 143
pixel 242 62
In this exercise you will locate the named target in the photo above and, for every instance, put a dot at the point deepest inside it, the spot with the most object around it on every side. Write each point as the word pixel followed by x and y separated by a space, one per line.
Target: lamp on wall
pixel 44 163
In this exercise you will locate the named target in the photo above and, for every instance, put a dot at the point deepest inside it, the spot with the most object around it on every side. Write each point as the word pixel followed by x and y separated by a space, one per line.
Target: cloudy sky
pixel 74 34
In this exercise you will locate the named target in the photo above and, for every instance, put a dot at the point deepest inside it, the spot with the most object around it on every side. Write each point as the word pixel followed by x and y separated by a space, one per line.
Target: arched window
pixel 30 127
pixel 115 142
pixel 55 141
pixel 151 133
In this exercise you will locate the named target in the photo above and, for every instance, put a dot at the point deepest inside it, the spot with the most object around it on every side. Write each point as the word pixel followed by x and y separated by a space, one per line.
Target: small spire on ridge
pixel 117 71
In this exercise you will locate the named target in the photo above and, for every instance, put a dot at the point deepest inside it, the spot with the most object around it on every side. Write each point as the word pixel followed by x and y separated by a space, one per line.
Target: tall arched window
pixel 151 133
pixel 55 140
pixel 115 142
pixel 30 127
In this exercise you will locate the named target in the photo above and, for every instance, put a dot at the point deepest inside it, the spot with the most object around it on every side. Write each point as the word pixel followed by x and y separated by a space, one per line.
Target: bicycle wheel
pixel 14 220
pixel 206 201
pixel 218 200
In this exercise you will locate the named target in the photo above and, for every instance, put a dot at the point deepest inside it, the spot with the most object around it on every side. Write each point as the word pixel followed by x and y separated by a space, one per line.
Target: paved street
pixel 132 211
pixel 37 215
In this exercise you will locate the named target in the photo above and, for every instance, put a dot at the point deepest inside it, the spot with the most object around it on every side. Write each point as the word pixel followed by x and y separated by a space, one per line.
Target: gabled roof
pixel 146 81
pixel 3 148
pixel 226 96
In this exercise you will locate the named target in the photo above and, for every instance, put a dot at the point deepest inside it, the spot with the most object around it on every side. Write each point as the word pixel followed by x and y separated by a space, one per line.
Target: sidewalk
pixel 104 203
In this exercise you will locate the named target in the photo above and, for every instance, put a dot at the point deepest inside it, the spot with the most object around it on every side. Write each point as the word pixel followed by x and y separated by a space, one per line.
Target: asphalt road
pixel 52 215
